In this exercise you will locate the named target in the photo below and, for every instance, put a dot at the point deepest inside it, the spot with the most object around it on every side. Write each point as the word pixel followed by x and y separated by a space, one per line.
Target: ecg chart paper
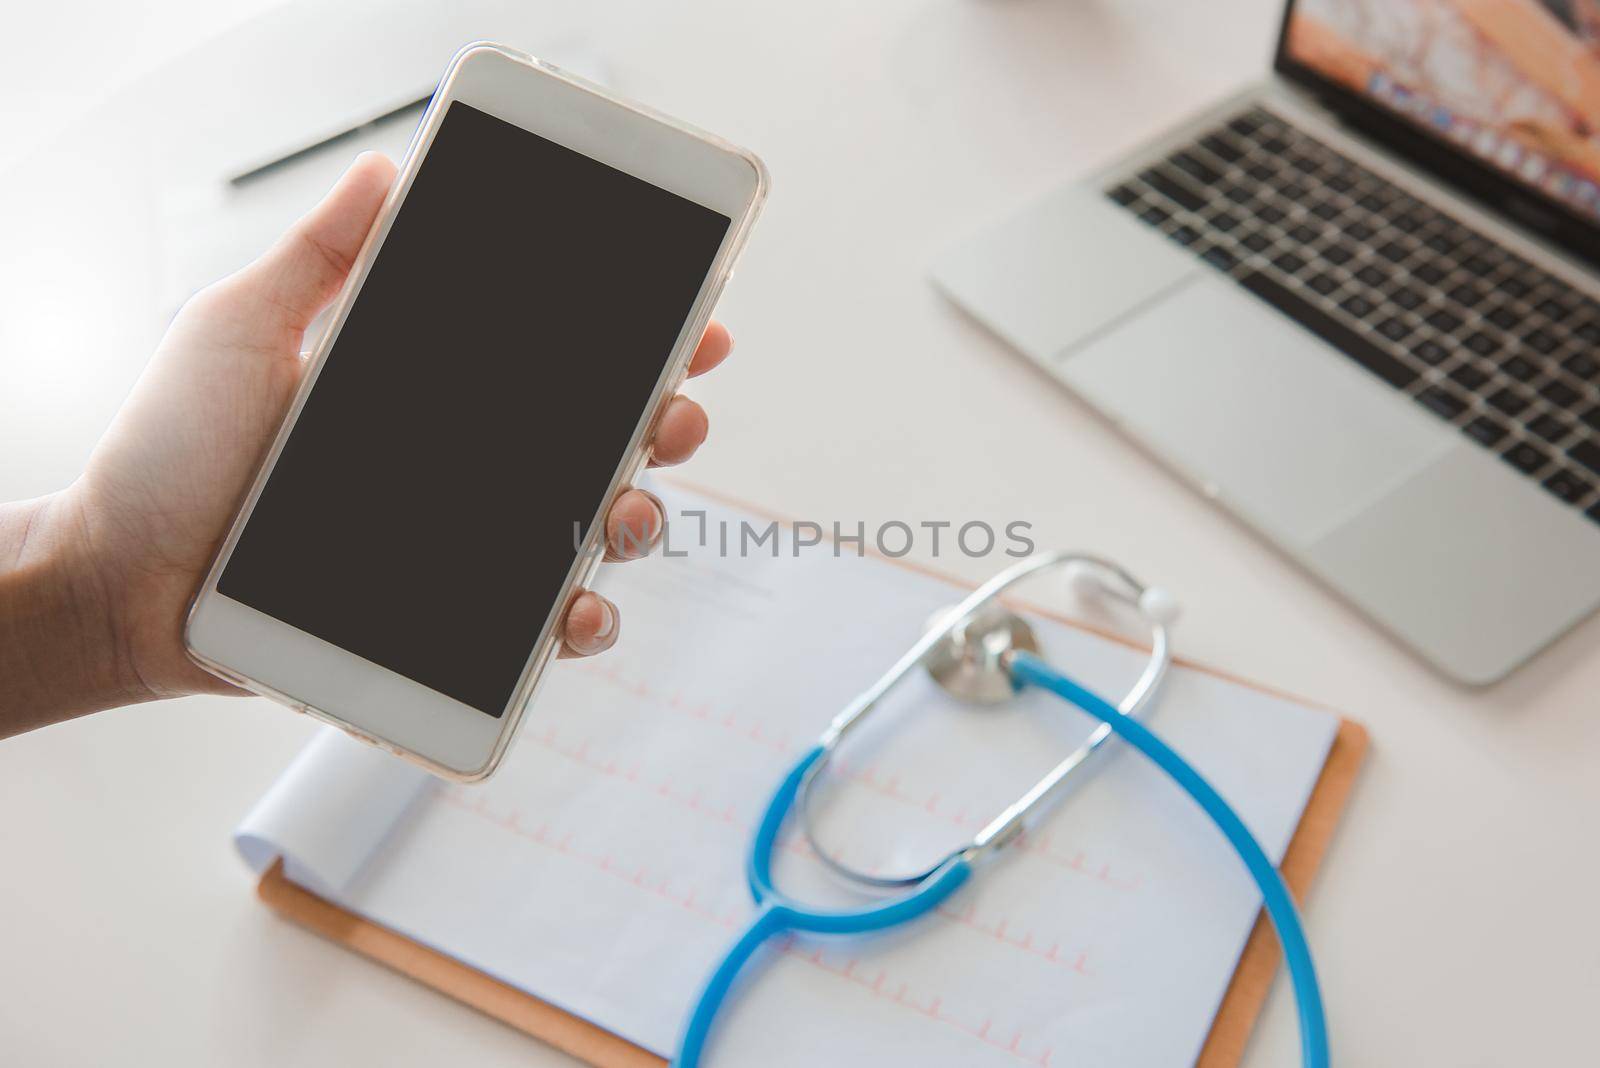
pixel 602 869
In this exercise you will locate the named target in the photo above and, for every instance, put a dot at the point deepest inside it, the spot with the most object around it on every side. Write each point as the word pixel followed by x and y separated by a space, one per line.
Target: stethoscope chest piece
pixel 969 662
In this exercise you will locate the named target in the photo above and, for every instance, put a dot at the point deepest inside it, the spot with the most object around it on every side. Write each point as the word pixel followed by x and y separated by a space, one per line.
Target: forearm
pixel 59 654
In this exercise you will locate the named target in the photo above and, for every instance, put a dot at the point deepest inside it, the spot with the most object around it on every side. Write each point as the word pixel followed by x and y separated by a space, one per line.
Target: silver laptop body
pixel 1471 563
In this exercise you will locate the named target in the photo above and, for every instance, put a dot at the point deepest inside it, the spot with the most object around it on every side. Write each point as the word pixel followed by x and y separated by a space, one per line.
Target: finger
pixel 591 626
pixel 715 344
pixel 682 430
pixel 634 525
pixel 300 274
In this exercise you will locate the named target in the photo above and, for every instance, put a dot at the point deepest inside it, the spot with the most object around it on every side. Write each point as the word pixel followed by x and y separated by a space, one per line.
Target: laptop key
pixel 1393 251
pixel 1551 308
pixel 1406 297
pixel 1172 189
pixel 1247 124
pixel 1525 457
pixel 1124 194
pixel 1444 321
pixel 1154 215
pixel 1394 328
pixel 1568 486
pixel 1541 340
pixel 1516 286
pixel 1582 365
pixel 1357 305
pixel 1196 168
pixel 1469 375
pixel 1330 329
pixel 1441 242
pixel 1220 258
pixel 1591 418
pixel 1509 401
pixel 1322 283
pixel 1586 453
pixel 1429 273
pixel 1338 255
pixel 1559 393
pixel 1485 430
pixel 1441 402
pixel 1550 427
pixel 1504 317
pixel 1256 242
pixel 1288 263
pixel 1373 275
pixel 1430 352
pixel 1221 148
pixel 1518 368
pixel 1407 222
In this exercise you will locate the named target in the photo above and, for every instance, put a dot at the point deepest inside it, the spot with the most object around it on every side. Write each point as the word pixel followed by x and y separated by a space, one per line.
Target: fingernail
pixel 608 621
pixel 658 521
pixel 658 516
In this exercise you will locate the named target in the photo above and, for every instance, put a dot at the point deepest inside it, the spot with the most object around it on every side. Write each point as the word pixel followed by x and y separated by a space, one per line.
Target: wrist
pixel 62 652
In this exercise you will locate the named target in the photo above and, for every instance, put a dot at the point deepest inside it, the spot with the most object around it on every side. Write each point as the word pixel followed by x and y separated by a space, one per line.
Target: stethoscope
pixel 980 651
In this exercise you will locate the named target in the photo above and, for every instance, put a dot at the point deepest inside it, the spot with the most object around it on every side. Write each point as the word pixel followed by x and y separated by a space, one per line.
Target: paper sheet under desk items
pixel 329 812
pixel 602 869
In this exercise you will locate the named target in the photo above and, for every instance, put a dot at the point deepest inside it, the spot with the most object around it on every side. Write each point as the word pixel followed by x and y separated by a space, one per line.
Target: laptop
pixel 1357 305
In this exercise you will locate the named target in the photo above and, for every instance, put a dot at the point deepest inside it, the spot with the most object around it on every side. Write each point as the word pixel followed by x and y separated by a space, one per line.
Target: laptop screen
pixel 1514 83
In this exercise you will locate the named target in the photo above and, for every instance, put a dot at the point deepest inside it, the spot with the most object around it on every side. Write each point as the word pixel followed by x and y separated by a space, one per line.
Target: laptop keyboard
pixel 1486 341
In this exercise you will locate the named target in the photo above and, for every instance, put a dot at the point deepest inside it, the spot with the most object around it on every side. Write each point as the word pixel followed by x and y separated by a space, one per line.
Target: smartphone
pixel 526 304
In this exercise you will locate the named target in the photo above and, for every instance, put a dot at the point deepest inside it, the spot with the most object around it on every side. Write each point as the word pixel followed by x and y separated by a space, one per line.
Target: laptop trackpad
pixel 1286 430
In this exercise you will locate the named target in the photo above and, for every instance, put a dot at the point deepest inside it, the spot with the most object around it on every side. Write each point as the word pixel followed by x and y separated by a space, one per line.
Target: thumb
pixel 299 274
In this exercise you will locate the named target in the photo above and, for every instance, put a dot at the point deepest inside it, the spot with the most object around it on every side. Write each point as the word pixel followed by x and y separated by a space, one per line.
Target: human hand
pixel 144 521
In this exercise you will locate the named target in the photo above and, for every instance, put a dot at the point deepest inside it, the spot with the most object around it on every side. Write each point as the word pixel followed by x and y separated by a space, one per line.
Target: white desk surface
pixel 1454 920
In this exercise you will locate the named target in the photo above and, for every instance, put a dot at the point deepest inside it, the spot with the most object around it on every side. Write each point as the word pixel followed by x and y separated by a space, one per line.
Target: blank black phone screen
pixel 478 399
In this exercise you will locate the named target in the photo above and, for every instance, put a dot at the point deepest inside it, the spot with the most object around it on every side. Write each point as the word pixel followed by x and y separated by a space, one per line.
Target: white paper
pixel 602 869
pixel 329 812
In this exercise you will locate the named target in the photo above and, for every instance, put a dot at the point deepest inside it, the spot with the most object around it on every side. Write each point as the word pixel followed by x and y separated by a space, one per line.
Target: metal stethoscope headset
pixel 981 651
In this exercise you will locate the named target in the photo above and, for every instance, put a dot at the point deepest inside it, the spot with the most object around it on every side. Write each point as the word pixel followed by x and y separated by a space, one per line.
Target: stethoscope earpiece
pixel 1159 606
pixel 1083 580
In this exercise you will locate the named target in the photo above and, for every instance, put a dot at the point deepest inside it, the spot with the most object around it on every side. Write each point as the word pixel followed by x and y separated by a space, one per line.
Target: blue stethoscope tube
pixel 1030 670
pixel 777 914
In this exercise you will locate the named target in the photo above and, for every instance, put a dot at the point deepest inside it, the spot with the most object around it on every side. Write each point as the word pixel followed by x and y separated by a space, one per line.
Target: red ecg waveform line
pixel 642 879
pixel 1001 931
pixel 868 777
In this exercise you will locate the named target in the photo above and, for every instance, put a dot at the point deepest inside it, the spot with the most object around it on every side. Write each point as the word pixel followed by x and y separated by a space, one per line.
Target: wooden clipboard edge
pixel 1225 1044
pixel 488 995
pixel 1252 979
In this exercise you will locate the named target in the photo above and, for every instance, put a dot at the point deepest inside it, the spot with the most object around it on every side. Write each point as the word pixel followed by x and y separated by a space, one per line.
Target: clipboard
pixel 1224 1046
